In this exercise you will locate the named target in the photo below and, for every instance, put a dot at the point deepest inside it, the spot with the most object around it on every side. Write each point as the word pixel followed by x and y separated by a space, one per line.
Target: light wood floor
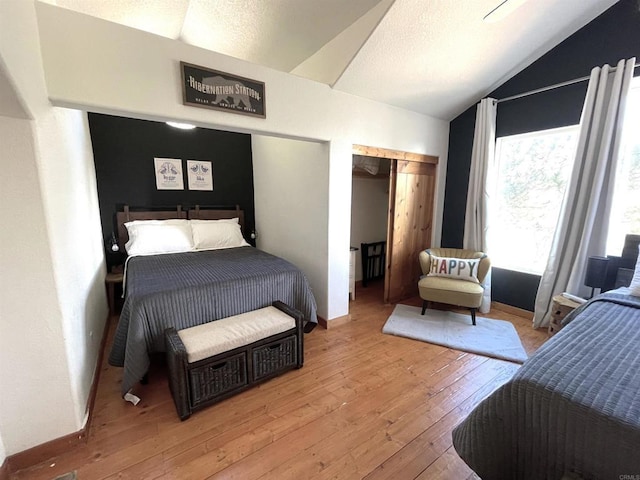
pixel 365 405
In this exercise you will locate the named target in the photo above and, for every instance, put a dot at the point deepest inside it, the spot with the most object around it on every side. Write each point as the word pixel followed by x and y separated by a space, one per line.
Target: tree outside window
pixel 528 181
pixel 625 212
pixel 530 176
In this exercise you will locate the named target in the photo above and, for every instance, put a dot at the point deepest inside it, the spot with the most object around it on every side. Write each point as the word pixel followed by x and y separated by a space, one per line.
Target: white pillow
pixel 214 234
pixel 635 281
pixel 148 237
pixel 458 268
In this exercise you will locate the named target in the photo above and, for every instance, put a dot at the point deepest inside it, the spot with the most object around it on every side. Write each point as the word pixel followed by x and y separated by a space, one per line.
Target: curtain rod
pixel 553 87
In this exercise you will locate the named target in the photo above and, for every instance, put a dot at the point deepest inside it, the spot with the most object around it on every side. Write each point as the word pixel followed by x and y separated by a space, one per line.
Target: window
pixel 530 175
pixel 625 211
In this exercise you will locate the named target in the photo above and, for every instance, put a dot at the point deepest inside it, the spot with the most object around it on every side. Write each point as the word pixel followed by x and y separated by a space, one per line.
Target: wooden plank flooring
pixel 365 405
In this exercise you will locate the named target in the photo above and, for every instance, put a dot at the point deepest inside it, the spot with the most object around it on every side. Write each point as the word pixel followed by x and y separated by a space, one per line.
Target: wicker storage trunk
pixel 202 383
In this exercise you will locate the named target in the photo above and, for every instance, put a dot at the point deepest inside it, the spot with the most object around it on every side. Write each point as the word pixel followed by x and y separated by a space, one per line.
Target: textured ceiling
pixel 435 57
pixel 277 33
pixel 439 57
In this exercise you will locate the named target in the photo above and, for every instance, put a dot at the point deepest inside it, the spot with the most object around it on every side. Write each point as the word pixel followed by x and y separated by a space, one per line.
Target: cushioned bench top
pixel 209 339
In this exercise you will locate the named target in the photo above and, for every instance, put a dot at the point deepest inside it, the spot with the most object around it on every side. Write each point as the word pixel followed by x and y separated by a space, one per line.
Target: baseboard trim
pixel 96 377
pixel 333 323
pixel 521 312
pixel 45 451
pixel 53 448
pixel 4 470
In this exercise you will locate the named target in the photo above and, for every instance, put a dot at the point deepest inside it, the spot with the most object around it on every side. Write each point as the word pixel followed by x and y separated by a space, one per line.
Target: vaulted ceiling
pixel 435 57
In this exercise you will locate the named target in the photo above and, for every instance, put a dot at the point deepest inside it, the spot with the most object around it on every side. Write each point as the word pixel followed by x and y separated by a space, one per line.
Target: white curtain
pixel 476 223
pixel 584 217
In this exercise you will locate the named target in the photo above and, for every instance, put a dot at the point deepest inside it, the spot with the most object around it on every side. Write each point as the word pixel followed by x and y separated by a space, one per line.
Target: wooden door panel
pixel 393 154
pixel 416 168
pixel 410 226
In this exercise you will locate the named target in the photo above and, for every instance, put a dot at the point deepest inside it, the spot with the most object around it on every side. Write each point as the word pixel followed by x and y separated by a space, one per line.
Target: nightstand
pixel 561 307
pixel 114 277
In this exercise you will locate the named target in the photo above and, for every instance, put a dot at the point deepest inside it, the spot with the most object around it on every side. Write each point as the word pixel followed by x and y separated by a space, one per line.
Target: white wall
pixel 144 81
pixel 53 303
pixel 138 73
pixel 34 376
pixel 71 60
pixel 3 454
pixel 68 181
pixel 369 214
pixel 292 206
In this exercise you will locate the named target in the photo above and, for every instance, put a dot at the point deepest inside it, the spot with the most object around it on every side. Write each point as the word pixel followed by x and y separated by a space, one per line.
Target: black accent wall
pixel 124 150
pixel 610 37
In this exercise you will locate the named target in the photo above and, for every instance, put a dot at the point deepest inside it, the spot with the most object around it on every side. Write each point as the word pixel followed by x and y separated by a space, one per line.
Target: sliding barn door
pixel 411 197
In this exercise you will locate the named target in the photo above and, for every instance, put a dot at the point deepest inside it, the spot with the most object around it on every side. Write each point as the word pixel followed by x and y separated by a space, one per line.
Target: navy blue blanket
pixel 186 289
pixel 573 407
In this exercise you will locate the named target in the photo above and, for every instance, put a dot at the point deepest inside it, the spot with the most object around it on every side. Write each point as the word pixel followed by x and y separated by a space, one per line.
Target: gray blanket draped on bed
pixel 187 289
pixel 573 407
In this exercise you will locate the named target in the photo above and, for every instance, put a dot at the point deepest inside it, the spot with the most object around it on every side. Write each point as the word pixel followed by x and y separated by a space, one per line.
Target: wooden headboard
pixel 620 269
pixel 198 212
pixel 627 261
pixel 630 251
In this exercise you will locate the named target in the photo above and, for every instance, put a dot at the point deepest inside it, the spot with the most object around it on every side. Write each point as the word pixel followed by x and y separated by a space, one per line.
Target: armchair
pixel 453 276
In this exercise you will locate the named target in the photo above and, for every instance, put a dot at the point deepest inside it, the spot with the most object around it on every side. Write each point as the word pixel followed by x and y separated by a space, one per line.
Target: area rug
pixel 489 337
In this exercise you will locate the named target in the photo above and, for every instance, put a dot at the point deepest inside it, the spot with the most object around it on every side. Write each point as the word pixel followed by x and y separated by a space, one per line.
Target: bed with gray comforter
pixel 573 407
pixel 187 289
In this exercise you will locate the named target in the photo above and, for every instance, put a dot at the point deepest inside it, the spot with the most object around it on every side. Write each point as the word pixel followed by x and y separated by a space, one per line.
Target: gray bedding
pixel 187 289
pixel 573 407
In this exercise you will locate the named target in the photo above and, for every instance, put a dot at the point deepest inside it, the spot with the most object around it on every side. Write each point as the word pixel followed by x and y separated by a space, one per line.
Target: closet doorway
pixel 369 221
pixel 410 191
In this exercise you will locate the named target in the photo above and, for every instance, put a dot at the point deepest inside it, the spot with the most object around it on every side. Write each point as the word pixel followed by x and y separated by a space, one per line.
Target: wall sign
pixel 168 174
pixel 203 87
pixel 199 175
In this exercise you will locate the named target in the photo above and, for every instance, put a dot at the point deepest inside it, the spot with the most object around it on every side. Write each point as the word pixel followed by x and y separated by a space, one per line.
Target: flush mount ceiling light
pixel 182 126
pixel 502 11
